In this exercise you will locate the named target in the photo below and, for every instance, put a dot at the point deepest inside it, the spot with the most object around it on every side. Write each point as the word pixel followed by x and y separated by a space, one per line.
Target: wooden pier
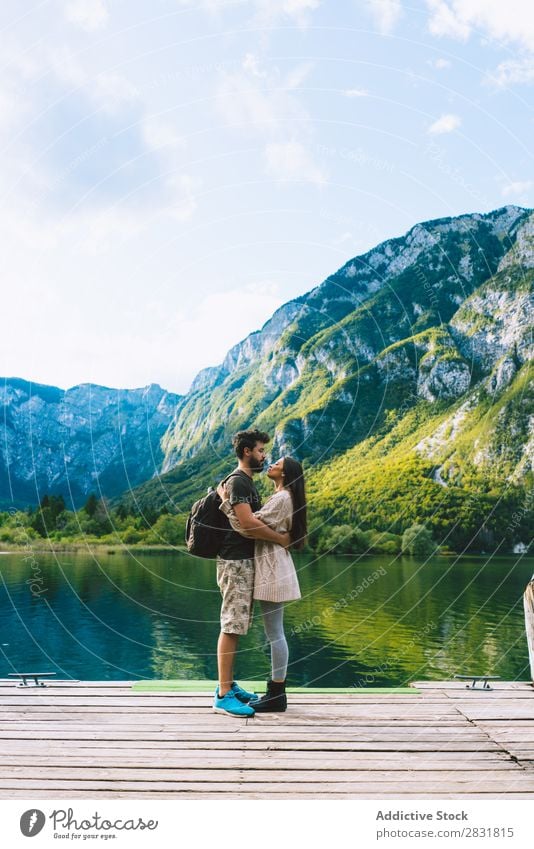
pixel 104 739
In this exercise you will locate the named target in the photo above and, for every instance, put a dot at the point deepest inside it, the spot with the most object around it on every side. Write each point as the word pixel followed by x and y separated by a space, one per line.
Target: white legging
pixel 273 623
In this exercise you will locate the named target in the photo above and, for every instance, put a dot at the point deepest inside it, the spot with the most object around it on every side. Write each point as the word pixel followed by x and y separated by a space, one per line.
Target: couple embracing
pixel 254 563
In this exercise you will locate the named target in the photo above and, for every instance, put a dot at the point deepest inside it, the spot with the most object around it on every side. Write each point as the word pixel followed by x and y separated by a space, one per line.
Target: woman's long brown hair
pixel 294 482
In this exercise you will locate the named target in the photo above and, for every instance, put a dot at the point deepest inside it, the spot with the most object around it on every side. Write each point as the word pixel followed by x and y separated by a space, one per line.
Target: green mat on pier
pixel 203 686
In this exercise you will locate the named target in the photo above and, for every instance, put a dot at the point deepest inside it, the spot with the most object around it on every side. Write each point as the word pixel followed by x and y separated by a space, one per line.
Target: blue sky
pixel 172 172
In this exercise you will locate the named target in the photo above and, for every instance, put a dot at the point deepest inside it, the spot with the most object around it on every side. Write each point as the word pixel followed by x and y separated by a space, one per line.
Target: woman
pixel 275 580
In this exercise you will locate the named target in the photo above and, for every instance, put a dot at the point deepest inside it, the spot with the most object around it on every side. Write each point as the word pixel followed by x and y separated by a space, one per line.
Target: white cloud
pixel 262 101
pixel 356 92
pixel 111 91
pixel 297 75
pixel 517 188
pixel 445 124
pixel 510 21
pixel 100 230
pixel 269 11
pixel 440 64
pixel 251 64
pixel 184 201
pixel 11 109
pixel 513 71
pixel 291 161
pixel 90 15
pixel 386 13
pixel 241 101
pixel 444 21
pixel 106 90
pixel 160 133
pixel 342 238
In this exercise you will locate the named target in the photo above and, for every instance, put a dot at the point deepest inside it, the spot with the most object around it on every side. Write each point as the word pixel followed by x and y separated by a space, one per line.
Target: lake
pixel 374 621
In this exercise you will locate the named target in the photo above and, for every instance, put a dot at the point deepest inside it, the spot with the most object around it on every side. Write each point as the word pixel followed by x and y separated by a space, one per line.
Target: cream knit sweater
pixel 275 577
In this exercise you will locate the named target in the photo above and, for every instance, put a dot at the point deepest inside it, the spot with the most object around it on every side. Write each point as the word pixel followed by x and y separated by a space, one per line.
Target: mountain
pixel 406 372
pixel 72 442
pixel 403 382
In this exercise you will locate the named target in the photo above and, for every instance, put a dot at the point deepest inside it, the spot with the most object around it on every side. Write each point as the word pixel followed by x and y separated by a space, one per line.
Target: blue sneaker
pixel 243 695
pixel 231 704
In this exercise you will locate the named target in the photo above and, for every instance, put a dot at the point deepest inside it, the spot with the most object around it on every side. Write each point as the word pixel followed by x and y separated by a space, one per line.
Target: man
pixel 235 569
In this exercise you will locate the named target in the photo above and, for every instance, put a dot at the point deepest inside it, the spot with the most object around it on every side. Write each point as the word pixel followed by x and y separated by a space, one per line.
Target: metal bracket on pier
pixel 476 678
pixel 35 675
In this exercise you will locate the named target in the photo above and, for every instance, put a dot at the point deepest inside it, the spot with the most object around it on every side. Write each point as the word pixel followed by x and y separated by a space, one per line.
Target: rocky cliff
pixel 85 439
pixel 412 363
pixel 417 317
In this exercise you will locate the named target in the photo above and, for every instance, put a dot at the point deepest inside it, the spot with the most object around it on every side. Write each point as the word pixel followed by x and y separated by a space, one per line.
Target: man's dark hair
pixel 247 439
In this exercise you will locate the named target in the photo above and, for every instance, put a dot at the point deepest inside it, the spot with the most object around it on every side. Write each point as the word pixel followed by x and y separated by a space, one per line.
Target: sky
pixel 174 171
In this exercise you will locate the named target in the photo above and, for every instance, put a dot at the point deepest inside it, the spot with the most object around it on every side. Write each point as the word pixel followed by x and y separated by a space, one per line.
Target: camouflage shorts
pixel 235 579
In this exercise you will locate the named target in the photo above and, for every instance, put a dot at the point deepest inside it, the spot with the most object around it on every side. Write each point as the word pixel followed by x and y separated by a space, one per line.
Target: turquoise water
pixel 377 621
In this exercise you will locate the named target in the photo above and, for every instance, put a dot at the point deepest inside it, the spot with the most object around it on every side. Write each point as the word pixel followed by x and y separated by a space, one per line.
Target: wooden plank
pixel 149 795
pixel 163 733
pixel 291 761
pixel 359 734
pixel 226 747
pixel 332 731
pixel 438 709
pixel 297 795
pixel 207 720
pixel 311 744
pixel 512 714
pixel 49 692
pixel 501 776
pixel 445 706
pixel 459 735
pixel 482 785
pixel 513 734
pixel 201 703
pixel 484 698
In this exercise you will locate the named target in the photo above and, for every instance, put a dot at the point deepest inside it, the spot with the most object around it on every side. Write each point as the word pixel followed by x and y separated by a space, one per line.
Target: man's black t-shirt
pixel 241 490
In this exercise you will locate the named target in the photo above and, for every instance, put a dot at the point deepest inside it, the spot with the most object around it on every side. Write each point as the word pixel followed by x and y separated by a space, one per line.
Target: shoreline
pixel 107 548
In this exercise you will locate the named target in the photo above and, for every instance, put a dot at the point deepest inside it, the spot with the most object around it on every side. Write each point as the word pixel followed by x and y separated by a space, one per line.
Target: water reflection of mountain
pixel 157 616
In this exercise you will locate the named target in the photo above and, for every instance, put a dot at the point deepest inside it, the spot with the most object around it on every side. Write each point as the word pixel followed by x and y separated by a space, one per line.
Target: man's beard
pixel 256 466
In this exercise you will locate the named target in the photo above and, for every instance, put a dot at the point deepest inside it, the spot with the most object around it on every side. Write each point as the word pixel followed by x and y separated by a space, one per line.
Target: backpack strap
pixel 232 475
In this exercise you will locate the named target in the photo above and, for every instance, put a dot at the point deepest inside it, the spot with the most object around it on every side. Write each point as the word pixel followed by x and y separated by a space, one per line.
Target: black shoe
pixel 274 700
